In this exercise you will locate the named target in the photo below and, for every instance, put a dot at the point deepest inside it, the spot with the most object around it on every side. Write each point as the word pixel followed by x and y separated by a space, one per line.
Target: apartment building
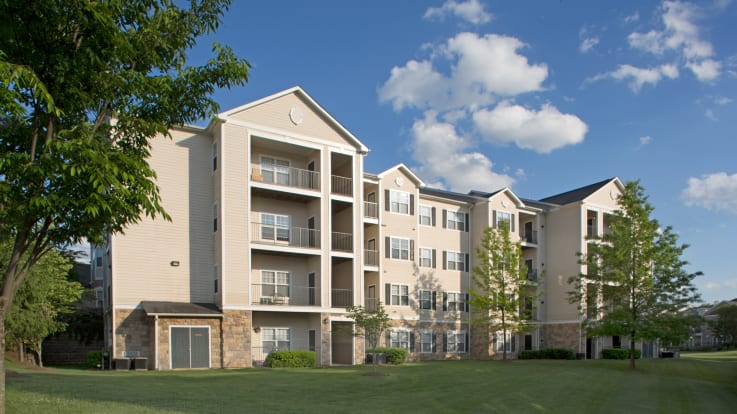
pixel 276 229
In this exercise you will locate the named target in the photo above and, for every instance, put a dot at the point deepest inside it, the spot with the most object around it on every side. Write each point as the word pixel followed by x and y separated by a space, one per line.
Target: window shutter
pixel 387 201
pixel 434 255
pixel 468 298
pixel 388 298
pixel 512 224
pixel 493 219
pixel 445 301
pixel 445 218
pixel 411 204
pixel 466 262
pixel 445 342
pixel 411 342
pixel 433 216
pixel 388 339
pixel 466 345
pixel 433 344
pixel 434 300
pixel 467 224
pixel 445 260
pixel 411 250
pixel 514 343
pixel 388 246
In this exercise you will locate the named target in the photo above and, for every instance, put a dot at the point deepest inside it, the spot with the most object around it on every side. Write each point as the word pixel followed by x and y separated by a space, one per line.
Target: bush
pixel 549 353
pixel 94 359
pixel 291 359
pixel 395 356
pixel 618 353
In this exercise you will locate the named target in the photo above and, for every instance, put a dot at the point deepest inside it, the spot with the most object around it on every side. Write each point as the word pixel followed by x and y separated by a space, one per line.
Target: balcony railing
pixel 529 237
pixel 341 185
pixel 284 295
pixel 286 236
pixel 287 177
pixel 341 298
pixel 370 209
pixel 532 274
pixel 370 257
pixel 371 303
pixel 342 241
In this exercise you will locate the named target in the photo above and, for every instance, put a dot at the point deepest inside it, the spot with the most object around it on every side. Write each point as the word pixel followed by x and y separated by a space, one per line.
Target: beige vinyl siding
pixel 142 255
pixel 235 221
pixel 217 177
pixel 602 197
pixel 297 267
pixel 565 231
pixel 275 114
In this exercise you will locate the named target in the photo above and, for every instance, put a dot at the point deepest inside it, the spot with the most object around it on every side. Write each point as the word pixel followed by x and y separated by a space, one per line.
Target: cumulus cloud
pixel 726 284
pixel 588 44
pixel 710 114
pixel 722 100
pixel 471 11
pixel 632 17
pixel 716 191
pixel 644 140
pixel 542 131
pixel 637 77
pixel 705 70
pixel 445 156
pixel 482 69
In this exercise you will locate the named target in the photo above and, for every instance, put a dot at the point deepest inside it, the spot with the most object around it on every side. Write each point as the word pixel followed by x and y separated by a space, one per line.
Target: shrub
pixel 395 356
pixel 549 353
pixel 94 359
pixel 618 353
pixel 291 359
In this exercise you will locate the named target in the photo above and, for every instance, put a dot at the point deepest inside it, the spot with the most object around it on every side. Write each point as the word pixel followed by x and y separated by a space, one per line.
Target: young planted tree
pixel 370 324
pixel 84 88
pixel 502 298
pixel 634 283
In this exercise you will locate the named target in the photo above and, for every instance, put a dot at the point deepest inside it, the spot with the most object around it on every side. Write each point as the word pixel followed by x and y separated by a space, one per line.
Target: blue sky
pixel 540 96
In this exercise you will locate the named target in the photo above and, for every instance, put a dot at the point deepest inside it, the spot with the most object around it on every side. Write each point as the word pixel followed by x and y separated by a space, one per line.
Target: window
pixel 455 261
pixel 214 156
pixel 505 342
pixel 99 296
pixel 215 277
pixel 273 339
pixel 427 216
pixel 274 227
pixel 400 248
pixel 427 257
pixel 274 284
pixel 398 295
pixel 427 342
pixel 98 261
pixel 455 220
pixel 454 301
pixel 455 341
pixel 275 171
pixel 215 217
pixel 399 339
pixel 399 202
pixel 426 299
pixel 504 218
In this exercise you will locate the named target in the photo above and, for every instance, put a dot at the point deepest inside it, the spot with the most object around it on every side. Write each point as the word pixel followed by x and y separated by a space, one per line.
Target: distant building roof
pixel 448 194
pixel 578 194
pixel 156 308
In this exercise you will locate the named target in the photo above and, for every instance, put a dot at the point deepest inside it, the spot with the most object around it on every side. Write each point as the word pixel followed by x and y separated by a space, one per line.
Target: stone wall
pixel 564 335
pixel 166 323
pixel 64 349
pixel 236 339
pixel 133 334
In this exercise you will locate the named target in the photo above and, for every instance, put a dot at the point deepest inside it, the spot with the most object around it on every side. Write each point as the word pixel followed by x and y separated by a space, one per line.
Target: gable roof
pixel 404 169
pixel 578 194
pixel 311 102
pixel 507 190
pixel 450 195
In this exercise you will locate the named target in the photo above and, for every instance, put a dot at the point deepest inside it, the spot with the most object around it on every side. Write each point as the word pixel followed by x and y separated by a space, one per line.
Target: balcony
pixel 341 242
pixel 286 177
pixel 532 275
pixel 284 295
pixel 370 210
pixel 529 236
pixel 341 298
pixel 271 234
pixel 370 257
pixel 341 185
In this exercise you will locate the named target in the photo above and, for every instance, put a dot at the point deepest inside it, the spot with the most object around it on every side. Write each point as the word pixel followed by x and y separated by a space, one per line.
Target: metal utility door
pixel 190 347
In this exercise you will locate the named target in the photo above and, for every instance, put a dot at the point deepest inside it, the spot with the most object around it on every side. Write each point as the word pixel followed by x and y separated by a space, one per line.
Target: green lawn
pixel 687 385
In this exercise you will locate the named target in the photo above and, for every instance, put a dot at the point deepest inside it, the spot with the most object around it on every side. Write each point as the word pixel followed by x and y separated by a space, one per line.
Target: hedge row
pixel 291 359
pixel 394 356
pixel 618 353
pixel 550 353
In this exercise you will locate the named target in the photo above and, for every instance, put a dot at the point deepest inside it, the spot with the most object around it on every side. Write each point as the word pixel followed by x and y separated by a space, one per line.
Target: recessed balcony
pixel 341 185
pixel 274 234
pixel 283 176
pixel 370 210
pixel 341 298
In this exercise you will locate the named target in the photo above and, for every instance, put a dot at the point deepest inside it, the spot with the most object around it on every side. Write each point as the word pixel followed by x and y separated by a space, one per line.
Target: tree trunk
pixel 38 353
pixel 632 350
pixel 21 351
pixel 2 360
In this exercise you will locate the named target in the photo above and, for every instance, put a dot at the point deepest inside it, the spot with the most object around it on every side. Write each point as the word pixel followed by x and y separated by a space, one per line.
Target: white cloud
pixel 632 17
pixel 588 43
pixel 710 114
pixel 471 11
pixel 722 100
pixel 483 68
pixel 542 131
pixel 716 191
pixel 637 77
pixel 644 140
pixel 446 156
pixel 706 70
pixel 727 284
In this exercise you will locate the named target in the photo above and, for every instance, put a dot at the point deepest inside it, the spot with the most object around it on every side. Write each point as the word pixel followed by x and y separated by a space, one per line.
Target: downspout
pixel 156 342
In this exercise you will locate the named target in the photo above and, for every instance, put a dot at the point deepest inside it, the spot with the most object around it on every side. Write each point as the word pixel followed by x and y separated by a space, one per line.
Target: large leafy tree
pixel 502 298
pixel 634 283
pixel 85 86
pixel 43 301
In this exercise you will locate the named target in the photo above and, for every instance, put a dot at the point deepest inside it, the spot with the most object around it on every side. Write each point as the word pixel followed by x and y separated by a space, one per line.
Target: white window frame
pixel 273 336
pixel 499 219
pixel 277 167
pixel 425 257
pixel 279 282
pixel 503 341
pixel 425 215
pixel 401 292
pixel 455 220
pixel 397 204
pixel 452 341
pixel 424 296
pixel 458 264
pixel 426 342
pixel 402 252
pixel 458 300
pixel 399 338
pixel 279 224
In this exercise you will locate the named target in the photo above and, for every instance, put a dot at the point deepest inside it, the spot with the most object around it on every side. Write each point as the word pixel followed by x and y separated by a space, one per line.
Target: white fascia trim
pixel 406 170
pixel 259 131
pixel 446 200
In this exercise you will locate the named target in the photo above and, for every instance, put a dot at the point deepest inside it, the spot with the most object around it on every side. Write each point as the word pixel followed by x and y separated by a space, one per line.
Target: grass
pixel 694 383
